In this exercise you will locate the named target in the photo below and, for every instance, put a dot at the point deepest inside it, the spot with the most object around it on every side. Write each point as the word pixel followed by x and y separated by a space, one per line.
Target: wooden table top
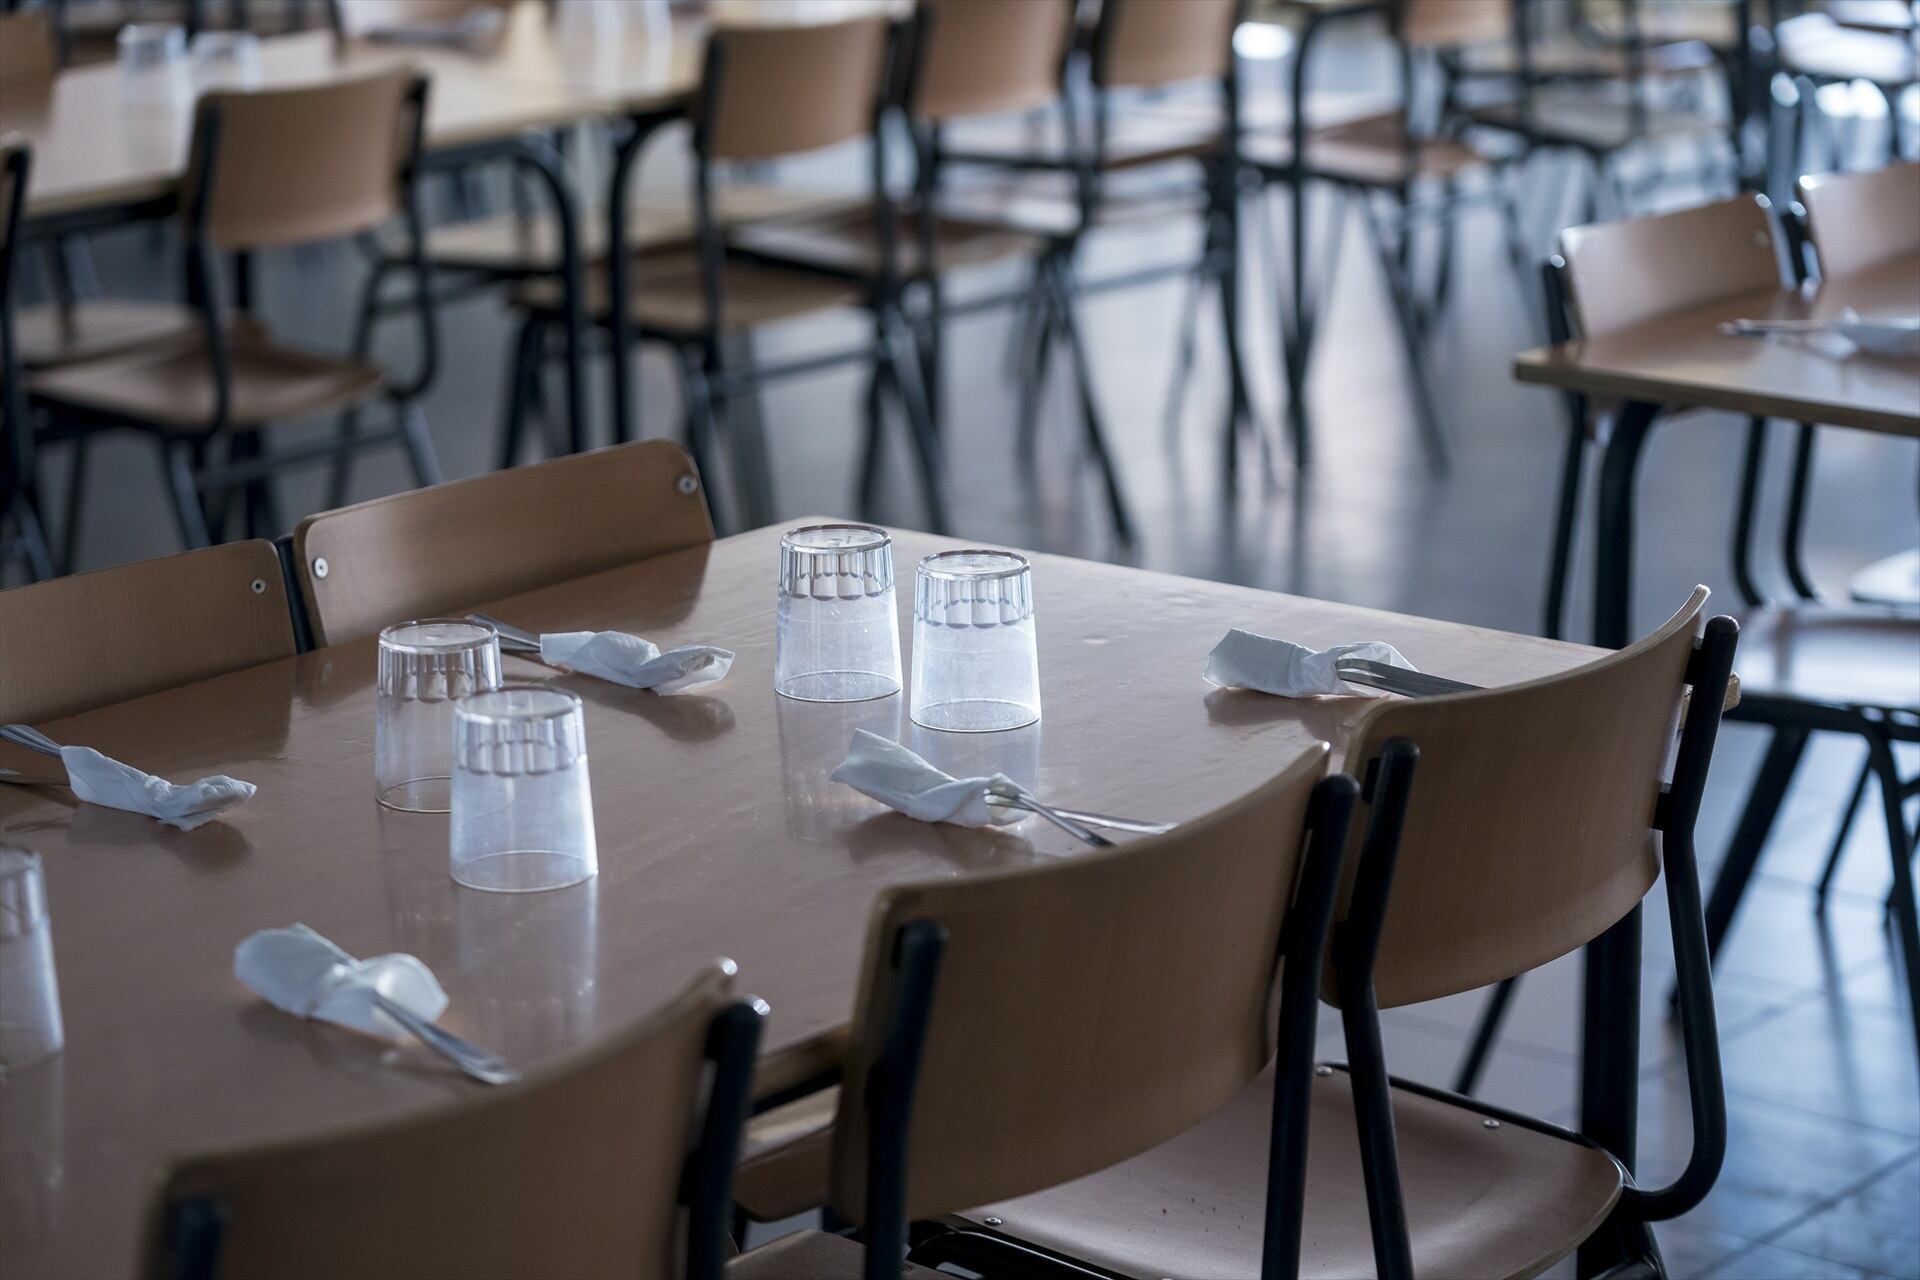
pixel 1682 359
pixel 719 834
pixel 92 151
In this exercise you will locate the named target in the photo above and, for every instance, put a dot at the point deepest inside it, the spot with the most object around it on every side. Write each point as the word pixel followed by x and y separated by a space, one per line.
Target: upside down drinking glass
pixel 522 800
pixel 976 658
pixel 424 666
pixel 838 635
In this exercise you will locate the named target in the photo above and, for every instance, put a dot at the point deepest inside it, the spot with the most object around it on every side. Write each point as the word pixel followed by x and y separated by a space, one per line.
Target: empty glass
pixel 226 60
pixel 976 661
pixel 838 638
pixel 153 64
pixel 424 666
pixel 30 1026
pixel 522 803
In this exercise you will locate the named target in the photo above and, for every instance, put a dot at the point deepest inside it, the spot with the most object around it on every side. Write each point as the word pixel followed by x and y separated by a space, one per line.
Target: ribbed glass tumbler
pixel 522 800
pixel 424 666
pixel 976 657
pixel 838 634
pixel 30 1027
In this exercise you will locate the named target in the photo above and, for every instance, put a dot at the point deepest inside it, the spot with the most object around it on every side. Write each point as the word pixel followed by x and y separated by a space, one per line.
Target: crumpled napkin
pixel 638 664
pixel 102 780
pixel 1249 661
pixel 299 972
pixel 896 777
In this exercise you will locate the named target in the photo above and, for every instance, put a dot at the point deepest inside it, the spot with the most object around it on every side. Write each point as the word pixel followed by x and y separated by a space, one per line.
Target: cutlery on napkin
pixel 1248 661
pixel 102 780
pixel 299 972
pixel 616 656
pixel 896 777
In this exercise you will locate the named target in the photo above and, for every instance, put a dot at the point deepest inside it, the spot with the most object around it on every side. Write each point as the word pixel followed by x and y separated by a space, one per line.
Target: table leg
pixel 619 285
pixel 540 156
pixel 1613 554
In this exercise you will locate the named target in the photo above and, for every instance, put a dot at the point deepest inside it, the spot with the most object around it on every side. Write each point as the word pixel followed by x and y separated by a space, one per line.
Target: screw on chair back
pixel 1449 24
pixel 29 54
pixel 277 167
pixel 786 89
pixel 1085 1009
pixel 1531 826
pixel 92 639
pixel 1142 44
pixel 1621 274
pixel 457 546
pixel 985 57
pixel 575 1172
pixel 1859 219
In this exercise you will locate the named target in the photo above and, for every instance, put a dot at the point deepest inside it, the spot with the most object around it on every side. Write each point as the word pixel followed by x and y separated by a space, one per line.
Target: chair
pixel 91 639
pixel 19 501
pixel 1521 839
pixel 359 142
pixel 1417 149
pixel 1021 1029
pixel 455 546
pixel 767 92
pixel 1815 52
pixel 580 1171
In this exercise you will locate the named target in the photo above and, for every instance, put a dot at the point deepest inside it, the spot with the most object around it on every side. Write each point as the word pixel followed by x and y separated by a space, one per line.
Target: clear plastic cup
pixel 976 659
pixel 522 801
pixel 424 667
pixel 838 637
pixel 30 1027
pixel 153 65
pixel 226 60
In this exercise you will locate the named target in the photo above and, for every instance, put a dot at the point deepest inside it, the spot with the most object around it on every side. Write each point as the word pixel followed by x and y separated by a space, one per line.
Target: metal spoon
pixel 482 1064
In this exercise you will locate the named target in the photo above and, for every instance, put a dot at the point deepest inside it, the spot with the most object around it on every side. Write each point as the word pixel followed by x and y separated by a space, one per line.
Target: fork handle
pixel 25 735
pixel 481 1064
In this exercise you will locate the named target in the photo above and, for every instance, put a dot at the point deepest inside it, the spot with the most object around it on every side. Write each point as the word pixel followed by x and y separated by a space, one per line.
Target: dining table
pixel 1684 360
pixel 720 833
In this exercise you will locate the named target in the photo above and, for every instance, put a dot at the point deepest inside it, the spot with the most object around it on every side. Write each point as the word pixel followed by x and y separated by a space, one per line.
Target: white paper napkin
pixel 899 779
pixel 299 972
pixel 102 780
pixel 636 663
pixel 1244 660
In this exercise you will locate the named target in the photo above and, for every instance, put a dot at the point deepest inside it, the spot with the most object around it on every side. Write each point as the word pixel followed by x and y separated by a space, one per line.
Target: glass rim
pixel 471 709
pixel 133 32
pixel 1016 565
pixel 487 634
pixel 878 538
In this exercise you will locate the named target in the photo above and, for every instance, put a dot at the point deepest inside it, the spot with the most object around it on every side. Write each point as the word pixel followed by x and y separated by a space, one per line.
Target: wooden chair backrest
pixel 1530 826
pixel 29 57
pixel 793 88
pixel 297 165
pixel 459 545
pixel 1146 43
pixel 1623 273
pixel 1086 1010
pixel 984 57
pixel 1859 219
pixel 1449 24
pixel 575 1172
pixel 96 638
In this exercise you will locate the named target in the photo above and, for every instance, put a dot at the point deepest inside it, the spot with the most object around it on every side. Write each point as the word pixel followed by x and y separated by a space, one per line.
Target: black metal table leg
pixel 1613 553
pixel 619 283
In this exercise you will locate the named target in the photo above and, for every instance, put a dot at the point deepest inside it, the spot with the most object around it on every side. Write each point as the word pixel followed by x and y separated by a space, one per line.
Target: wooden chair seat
pixel 1714 25
pixel 1894 580
pixel 1839 655
pixel 50 336
pixel 1136 139
pixel 786 1158
pixel 1572 59
pixel 1372 150
pixel 850 242
pixel 1589 120
pixel 173 385
pixel 668 298
pixel 1503 1201
pixel 813 1255
pixel 1814 45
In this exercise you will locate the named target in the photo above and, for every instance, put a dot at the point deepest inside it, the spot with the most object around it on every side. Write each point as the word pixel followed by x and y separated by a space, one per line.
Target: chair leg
pixel 1096 440
pixel 76 495
pixel 176 462
pixel 1240 401
pixel 1189 324
pixel 1906 911
pixel 33 540
pixel 931 343
pixel 1743 518
pixel 1793 533
pixel 697 397
pixel 419 444
pixel 1525 277
pixel 1750 836
pixel 349 425
pixel 1484 1036
pixel 1033 374
pixel 513 419
pixel 1566 516
pixel 1425 412
pixel 903 361
pixel 875 413
pixel 1846 828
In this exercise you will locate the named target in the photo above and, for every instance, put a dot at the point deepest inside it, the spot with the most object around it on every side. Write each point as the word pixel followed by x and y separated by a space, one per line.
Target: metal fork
pixel 1391 679
pixel 25 735
pixel 513 639
pixel 1085 817
pixel 1010 797
pixel 482 1064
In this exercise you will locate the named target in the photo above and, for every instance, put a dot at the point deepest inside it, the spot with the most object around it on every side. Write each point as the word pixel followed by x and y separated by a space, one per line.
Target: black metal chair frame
pixel 19 494
pixel 200 487
pixel 194 1226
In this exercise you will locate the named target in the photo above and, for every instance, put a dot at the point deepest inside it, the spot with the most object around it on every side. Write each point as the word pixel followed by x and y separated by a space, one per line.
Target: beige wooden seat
pixel 457 546
pixel 1832 654
pixel 579 1171
pixel 97 638
pixel 1523 839
pixel 1030 1072
pixel 1372 150
pixel 240 196
pixel 669 294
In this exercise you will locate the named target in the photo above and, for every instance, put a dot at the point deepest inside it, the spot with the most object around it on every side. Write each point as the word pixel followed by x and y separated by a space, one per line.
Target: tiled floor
pixel 1823 1172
